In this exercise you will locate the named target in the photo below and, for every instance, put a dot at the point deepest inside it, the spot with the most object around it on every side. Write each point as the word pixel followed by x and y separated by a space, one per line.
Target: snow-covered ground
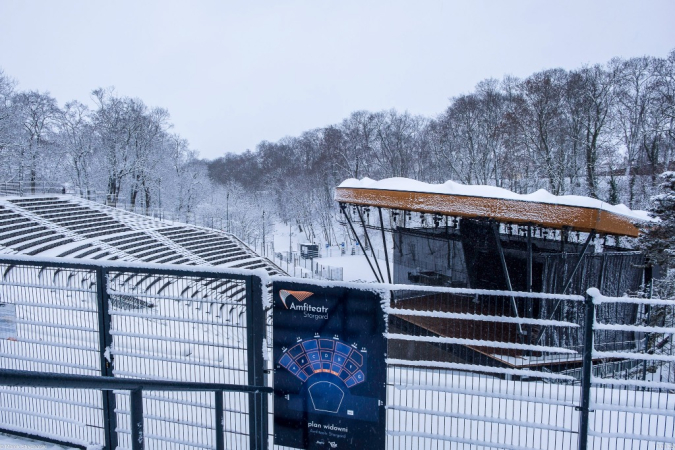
pixel 8 442
pixel 354 267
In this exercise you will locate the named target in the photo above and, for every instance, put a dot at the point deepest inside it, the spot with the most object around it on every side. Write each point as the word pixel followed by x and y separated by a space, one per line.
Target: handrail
pixel 26 378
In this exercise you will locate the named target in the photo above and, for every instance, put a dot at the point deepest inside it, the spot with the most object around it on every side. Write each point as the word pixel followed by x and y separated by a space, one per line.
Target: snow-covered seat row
pixel 70 227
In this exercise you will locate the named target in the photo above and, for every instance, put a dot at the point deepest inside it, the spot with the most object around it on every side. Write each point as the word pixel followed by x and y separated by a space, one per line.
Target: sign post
pixel 330 374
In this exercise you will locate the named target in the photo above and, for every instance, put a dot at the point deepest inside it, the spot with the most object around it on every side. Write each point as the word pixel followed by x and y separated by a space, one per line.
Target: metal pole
pixel 255 340
pixel 505 269
pixel 587 373
pixel 601 275
pixel 649 283
pixel 263 237
pixel 220 436
pixel 351 226
pixel 529 302
pixel 105 342
pixel 384 243
pixel 591 235
pixel 136 419
pixel 370 244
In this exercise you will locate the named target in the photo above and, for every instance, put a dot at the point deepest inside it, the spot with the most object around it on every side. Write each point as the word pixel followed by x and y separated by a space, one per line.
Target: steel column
pixel 351 226
pixel 529 258
pixel 505 269
pixel 370 244
pixel 136 418
pixel 649 284
pixel 529 313
pixel 219 417
pixel 255 340
pixel 384 243
pixel 105 343
pixel 591 235
pixel 586 374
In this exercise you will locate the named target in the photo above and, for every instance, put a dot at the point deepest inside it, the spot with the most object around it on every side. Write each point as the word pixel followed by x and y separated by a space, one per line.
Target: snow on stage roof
pixel 70 227
pixel 453 199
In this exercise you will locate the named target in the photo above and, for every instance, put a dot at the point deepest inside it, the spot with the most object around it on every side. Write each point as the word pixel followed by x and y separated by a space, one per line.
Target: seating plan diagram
pixel 310 357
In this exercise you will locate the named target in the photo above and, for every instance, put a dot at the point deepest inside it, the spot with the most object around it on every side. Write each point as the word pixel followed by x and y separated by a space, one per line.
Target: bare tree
pixel 38 113
pixel 397 145
pixel 76 137
pixel 355 155
pixel 543 125
pixel 598 93
pixel 635 98
pixel 8 125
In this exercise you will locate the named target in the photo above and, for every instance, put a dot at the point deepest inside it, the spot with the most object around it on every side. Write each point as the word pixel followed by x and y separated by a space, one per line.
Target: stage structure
pixel 483 237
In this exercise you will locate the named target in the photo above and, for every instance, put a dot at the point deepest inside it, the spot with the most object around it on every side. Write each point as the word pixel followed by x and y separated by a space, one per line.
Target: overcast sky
pixel 235 73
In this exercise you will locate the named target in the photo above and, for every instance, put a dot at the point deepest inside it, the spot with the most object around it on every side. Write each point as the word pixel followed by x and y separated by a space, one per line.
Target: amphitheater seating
pixel 64 226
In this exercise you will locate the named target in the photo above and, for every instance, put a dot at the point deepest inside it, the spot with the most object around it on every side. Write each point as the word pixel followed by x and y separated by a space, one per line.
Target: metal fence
pixel 135 388
pixel 299 267
pixel 467 369
pixel 473 369
pixel 139 323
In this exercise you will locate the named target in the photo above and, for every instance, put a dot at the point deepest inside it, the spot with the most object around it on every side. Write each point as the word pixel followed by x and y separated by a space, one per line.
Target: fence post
pixel 586 373
pixel 105 343
pixel 136 418
pixel 255 339
pixel 220 427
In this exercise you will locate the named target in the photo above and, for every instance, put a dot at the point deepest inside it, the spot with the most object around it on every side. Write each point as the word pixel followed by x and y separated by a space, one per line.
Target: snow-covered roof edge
pixel 454 188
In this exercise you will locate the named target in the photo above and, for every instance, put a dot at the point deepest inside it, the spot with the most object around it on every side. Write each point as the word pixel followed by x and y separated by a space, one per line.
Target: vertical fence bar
pixel 586 373
pixel 255 338
pixel 136 418
pixel 220 436
pixel 105 342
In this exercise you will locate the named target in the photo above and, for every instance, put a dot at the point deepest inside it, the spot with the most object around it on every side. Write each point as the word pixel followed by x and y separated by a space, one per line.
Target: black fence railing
pixel 21 378
pixel 139 323
pixel 466 368
pixel 486 369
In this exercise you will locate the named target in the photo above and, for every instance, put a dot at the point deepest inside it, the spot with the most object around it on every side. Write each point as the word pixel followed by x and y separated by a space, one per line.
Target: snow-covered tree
pixel 658 239
pixel 76 137
pixel 183 180
pixel 8 125
pixel 38 114
pixel 658 242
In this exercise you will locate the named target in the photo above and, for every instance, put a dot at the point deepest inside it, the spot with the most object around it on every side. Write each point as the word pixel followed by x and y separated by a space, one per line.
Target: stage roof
pixel 453 199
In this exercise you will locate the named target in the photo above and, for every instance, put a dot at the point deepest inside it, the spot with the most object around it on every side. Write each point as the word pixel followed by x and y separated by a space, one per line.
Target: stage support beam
pixel 384 244
pixel 370 244
pixel 591 235
pixel 529 258
pixel 529 313
pixel 505 269
pixel 343 207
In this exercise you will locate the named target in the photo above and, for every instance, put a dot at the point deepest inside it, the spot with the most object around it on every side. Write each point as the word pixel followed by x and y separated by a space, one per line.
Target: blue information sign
pixel 329 378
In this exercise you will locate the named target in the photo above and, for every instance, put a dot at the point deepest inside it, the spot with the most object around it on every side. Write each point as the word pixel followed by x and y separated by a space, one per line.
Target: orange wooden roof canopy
pixel 576 218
